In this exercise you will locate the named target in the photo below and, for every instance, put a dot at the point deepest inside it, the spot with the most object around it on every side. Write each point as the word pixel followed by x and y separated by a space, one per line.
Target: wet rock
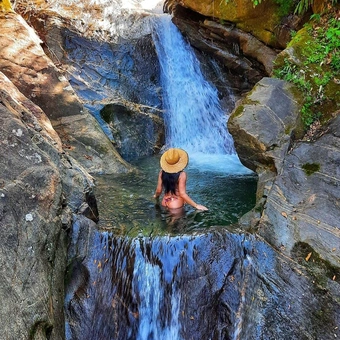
pixel 242 69
pixel 120 84
pixel 106 74
pixel 215 285
pixel 136 131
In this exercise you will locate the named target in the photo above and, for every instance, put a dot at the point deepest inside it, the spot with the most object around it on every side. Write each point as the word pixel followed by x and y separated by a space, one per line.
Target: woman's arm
pixel 159 186
pixel 182 183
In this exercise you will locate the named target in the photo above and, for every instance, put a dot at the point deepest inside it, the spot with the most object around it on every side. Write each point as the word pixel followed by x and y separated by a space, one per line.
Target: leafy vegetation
pixel 302 6
pixel 316 69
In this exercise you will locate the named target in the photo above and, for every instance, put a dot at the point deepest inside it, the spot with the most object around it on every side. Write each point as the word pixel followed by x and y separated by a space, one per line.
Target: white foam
pixel 226 164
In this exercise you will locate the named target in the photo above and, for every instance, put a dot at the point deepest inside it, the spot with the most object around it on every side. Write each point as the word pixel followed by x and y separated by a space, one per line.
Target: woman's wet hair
pixel 170 182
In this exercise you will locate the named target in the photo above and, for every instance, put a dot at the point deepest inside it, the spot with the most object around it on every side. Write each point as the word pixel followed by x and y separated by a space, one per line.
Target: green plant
pixel 285 5
pixel 304 5
pixel 291 73
pixel 316 17
pixel 316 70
pixel 293 34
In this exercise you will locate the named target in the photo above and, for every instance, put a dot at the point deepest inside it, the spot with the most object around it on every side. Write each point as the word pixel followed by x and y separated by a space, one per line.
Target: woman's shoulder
pixel 183 174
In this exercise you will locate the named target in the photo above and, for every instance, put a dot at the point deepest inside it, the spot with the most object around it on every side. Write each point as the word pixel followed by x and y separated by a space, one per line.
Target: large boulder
pixel 262 126
pixel 297 195
pixel 118 76
pixel 25 63
pixel 303 204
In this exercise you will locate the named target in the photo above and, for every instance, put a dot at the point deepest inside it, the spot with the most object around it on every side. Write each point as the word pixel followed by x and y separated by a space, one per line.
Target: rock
pixel 262 124
pixel 209 42
pixel 298 180
pixel 24 62
pixel 217 285
pixel 303 203
pixel 137 131
pixel 37 199
pixel 107 74
pixel 265 21
pixel 297 56
pixel 249 45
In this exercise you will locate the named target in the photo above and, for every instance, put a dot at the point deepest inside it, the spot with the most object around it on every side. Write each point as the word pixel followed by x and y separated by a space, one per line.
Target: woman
pixel 173 180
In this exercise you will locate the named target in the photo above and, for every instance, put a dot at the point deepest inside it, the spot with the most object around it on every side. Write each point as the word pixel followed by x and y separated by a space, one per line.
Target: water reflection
pixel 126 205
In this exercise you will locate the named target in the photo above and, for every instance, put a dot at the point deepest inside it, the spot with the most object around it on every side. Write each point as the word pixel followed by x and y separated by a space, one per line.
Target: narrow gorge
pixel 91 95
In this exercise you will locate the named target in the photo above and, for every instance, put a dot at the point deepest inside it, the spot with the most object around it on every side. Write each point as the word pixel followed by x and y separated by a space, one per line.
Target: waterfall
pixel 194 119
pixel 148 284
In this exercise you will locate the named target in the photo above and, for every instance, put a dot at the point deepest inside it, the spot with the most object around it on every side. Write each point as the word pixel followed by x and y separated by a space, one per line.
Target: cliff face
pixel 42 188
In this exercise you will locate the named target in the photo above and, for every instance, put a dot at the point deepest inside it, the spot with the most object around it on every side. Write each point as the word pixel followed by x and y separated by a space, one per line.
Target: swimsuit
pixel 168 199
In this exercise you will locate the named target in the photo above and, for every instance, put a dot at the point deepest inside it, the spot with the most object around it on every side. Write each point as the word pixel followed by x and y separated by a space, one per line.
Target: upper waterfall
pixel 193 117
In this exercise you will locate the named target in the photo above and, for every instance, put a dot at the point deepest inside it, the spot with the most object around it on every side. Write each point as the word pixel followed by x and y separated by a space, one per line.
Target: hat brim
pixel 179 166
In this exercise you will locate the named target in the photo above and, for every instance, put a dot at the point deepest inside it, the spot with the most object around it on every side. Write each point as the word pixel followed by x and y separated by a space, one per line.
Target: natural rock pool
pixel 127 207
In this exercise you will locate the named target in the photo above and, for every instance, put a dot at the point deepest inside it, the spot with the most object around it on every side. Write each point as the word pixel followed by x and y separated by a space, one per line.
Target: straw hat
pixel 174 160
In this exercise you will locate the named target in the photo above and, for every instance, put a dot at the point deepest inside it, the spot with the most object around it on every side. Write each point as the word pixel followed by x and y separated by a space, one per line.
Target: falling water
pixel 148 282
pixel 156 288
pixel 194 119
pixel 168 288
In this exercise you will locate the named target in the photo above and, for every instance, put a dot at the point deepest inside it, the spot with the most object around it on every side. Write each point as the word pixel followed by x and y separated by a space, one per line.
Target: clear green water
pixel 127 207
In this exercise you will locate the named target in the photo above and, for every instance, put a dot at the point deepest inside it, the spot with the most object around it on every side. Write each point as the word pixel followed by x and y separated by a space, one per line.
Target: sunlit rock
pixel 39 195
pixel 298 180
pixel 267 21
pixel 24 62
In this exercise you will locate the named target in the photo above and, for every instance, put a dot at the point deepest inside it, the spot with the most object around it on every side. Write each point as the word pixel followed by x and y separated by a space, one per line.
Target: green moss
pixel 320 269
pixel 238 112
pixel 310 168
pixel 312 63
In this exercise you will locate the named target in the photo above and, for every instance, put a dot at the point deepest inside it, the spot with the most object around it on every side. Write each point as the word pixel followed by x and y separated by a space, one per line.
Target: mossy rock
pixel 300 64
pixel 261 20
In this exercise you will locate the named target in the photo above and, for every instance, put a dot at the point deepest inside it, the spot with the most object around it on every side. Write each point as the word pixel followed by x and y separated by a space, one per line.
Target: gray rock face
pixel 262 126
pixel 136 131
pixel 303 204
pixel 40 188
pixel 298 181
pixel 216 285
pixel 120 84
